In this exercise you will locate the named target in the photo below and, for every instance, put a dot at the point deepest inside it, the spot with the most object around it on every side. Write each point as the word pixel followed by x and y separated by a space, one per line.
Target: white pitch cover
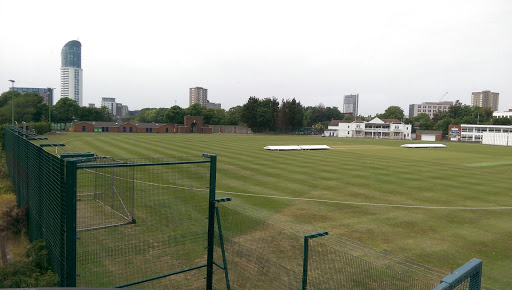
pixel 297 147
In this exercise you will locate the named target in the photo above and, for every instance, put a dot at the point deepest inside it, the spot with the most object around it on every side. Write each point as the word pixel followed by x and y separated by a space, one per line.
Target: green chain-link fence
pixel 39 182
pixel 268 251
pixel 109 222
pixel 140 222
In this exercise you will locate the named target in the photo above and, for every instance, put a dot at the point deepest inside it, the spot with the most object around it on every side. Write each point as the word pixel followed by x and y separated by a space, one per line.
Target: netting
pixel 38 179
pixel 109 222
pixel 136 222
pixel 140 222
pixel 266 251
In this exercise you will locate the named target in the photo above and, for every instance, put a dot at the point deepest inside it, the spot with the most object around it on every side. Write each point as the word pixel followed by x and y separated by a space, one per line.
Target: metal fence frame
pixel 53 206
pixel 471 271
pixel 47 184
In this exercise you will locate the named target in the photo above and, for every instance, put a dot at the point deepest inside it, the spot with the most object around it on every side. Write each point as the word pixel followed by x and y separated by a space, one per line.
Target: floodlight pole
pixel 12 101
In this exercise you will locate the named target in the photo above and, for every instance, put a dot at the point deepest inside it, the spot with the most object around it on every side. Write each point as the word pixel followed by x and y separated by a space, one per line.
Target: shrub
pixel 41 127
pixel 31 271
pixel 13 220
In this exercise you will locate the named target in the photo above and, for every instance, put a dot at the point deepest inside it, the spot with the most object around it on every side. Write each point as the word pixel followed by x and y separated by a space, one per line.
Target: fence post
pixel 221 240
pixel 71 179
pixel 471 271
pixel 306 257
pixel 211 219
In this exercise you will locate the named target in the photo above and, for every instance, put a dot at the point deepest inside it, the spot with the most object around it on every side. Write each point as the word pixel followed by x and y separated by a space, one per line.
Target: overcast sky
pixel 149 53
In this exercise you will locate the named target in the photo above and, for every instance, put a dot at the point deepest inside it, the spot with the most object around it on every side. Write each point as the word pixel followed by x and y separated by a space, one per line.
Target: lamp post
pixel 12 101
pixel 50 101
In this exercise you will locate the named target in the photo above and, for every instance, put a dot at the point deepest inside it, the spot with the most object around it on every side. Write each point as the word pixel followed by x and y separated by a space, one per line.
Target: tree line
pixel 175 115
pixel 261 115
pixel 29 107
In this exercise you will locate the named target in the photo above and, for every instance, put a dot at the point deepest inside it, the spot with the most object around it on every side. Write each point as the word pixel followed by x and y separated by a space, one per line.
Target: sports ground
pixel 439 207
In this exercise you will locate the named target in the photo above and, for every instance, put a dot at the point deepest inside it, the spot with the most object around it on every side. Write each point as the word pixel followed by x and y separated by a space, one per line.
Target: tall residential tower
pixel 485 99
pixel 351 104
pixel 71 75
pixel 199 96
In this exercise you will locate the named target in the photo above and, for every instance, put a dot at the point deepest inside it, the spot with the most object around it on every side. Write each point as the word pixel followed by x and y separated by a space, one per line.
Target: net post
pixel 221 240
pixel 306 257
pixel 71 180
pixel 211 219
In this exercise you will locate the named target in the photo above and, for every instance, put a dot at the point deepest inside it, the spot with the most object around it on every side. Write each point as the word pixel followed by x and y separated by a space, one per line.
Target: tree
pixel 233 116
pixel 426 125
pixel 195 110
pixel 260 115
pixel 216 116
pixel 332 113
pixel 469 120
pixel 502 121
pixel 94 114
pixel 65 110
pixel 421 118
pixel 443 125
pixel 270 109
pixel 156 115
pixel 348 118
pixel 248 114
pixel 392 112
pixel 459 112
pixel 320 114
pixel 291 115
pixel 28 107
pixel 143 115
pixel 482 115
pixel 175 115
pixel 6 97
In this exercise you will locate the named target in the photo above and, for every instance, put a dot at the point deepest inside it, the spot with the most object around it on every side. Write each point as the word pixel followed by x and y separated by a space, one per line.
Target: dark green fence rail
pixel 468 276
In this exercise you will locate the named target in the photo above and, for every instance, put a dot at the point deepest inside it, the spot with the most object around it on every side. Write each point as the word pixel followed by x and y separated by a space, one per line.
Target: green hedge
pixel 40 127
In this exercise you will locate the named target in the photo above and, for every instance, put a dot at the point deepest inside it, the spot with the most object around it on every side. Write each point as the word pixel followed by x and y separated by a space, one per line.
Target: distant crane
pixel 443 96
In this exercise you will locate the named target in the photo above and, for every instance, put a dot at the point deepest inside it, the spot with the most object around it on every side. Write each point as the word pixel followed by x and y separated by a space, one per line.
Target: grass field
pixel 373 176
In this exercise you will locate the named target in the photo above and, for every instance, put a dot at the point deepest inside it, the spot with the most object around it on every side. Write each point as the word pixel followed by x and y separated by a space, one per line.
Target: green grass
pixel 364 171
